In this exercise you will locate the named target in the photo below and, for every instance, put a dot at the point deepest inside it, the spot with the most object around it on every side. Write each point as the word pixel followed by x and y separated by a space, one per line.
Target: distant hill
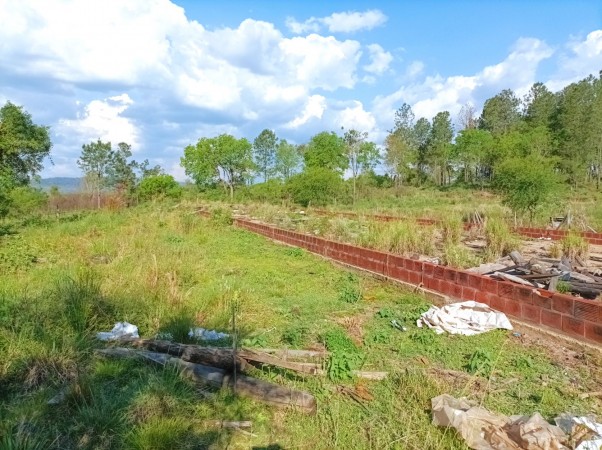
pixel 65 184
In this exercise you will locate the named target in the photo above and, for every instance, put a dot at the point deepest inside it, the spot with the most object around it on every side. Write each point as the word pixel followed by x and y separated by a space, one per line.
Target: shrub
pixel 574 245
pixel 159 186
pixel 316 186
pixel 451 230
pixel 499 237
pixel 26 200
pixel 459 256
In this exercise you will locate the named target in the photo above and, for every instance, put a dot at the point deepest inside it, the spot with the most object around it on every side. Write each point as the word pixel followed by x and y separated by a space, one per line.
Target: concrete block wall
pixel 581 319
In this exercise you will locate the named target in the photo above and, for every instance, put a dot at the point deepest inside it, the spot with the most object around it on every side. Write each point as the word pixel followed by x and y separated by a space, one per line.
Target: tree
pixel 23 147
pixel 95 161
pixel 467 118
pixel 362 155
pixel 471 147
pixel 439 146
pixel 401 144
pixel 223 158
pixel 159 186
pixel 264 149
pixel 288 159
pixel 315 185
pixel 422 131
pixel 501 113
pixel 326 150
pixel 527 183
pixel 145 170
pixel 120 172
pixel 540 106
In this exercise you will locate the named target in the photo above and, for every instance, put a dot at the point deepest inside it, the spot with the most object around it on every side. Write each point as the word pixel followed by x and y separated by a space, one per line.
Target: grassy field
pixel 165 269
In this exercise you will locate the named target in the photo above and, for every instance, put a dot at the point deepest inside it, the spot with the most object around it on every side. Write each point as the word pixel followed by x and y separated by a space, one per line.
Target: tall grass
pixel 573 244
pixel 398 237
pixel 499 238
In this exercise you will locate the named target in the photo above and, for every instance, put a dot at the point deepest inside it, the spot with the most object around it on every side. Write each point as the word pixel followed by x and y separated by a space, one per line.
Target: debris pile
pixel 564 275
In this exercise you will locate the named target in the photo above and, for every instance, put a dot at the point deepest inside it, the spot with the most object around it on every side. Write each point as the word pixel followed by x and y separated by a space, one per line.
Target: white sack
pixel 121 329
pixel 467 318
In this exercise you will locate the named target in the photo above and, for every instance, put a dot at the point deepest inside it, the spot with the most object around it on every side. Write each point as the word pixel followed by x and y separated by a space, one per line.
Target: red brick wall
pixel 578 318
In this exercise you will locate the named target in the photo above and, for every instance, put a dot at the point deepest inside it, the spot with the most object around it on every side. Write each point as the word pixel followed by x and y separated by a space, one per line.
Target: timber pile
pixel 545 273
pixel 224 368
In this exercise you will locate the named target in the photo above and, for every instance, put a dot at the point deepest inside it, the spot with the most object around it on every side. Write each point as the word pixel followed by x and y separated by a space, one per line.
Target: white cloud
pixel 356 117
pixel 103 119
pixel 314 108
pixel 343 22
pixel 579 59
pixel 436 93
pixel 379 60
pixel 414 69
pixel 348 22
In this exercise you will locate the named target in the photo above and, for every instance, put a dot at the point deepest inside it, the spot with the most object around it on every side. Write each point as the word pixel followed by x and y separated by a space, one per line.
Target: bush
pixel 317 186
pixel 526 183
pixel 271 190
pixel 25 200
pixel 159 186
pixel 499 237
pixel 573 245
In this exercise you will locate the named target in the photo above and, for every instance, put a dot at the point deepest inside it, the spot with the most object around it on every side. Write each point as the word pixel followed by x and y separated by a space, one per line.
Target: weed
pixel 16 253
pixel 294 251
pixel 480 361
pixel 385 314
pixel 499 237
pixel 423 337
pixel 344 355
pixel 349 288
pixel 451 230
pixel 221 216
pixel 295 336
pixel 459 256
pixel 563 287
pixel 555 251
pixel 574 245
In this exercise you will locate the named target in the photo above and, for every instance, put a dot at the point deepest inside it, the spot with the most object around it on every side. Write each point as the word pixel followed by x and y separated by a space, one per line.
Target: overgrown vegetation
pixel 166 270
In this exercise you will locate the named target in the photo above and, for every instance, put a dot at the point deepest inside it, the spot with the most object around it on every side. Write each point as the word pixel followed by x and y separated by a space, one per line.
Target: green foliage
pixel 288 160
pixel 16 253
pixel 326 151
pixel 527 184
pixel 295 336
pixel 221 159
pixel 271 190
pixel 500 239
pixel 458 256
pixel 221 216
pixel 26 200
pixel 160 186
pixel 563 287
pixel 452 228
pixel 344 355
pixel 573 244
pixel 350 289
pixel 480 361
pixel 83 303
pixel 264 152
pixel 316 186
pixel 501 112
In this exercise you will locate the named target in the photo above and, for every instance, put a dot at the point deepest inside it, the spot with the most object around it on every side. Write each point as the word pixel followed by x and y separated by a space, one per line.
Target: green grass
pixel 164 270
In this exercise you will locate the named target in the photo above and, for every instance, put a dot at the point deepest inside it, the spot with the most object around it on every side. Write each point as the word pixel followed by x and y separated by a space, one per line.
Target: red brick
pixel 593 331
pixel 563 303
pixel 505 289
pixel 469 293
pixel 573 326
pixel 456 291
pixel 396 261
pixel 414 265
pixel 497 302
pixel 414 277
pixel 436 285
pixel 551 319
pixel 428 269
pixel 483 297
pixel 588 310
pixel 531 313
pixel 439 272
pixel 475 281
pixel 512 307
pixel 489 285
pixel 450 274
pixel 542 302
pixel 523 294
pixel 446 287
pixel 462 278
pixel 428 281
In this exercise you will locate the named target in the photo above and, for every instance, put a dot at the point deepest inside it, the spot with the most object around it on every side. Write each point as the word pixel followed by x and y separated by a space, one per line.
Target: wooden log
pixel 514 279
pixel 517 258
pixel 228 423
pixel 264 391
pixel 222 358
pixel 584 291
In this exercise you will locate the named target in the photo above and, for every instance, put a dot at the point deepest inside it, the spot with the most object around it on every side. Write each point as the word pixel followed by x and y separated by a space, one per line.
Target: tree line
pixel 531 145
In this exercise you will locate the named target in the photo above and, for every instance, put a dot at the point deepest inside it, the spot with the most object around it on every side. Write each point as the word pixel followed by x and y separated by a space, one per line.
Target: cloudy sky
pixel 160 74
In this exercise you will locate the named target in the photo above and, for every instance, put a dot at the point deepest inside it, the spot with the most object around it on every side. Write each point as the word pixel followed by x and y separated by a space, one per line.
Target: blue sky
pixel 160 74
